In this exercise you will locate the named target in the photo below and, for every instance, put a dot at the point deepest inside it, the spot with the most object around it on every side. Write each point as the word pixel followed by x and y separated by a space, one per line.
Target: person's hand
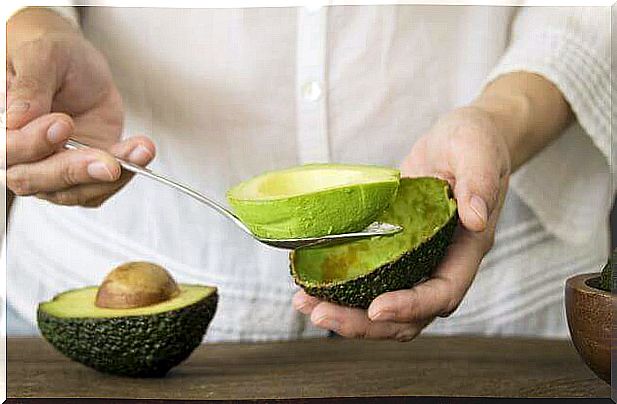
pixel 467 149
pixel 59 86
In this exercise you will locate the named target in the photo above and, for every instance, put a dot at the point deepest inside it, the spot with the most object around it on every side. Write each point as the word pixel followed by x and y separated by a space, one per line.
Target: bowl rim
pixel 579 283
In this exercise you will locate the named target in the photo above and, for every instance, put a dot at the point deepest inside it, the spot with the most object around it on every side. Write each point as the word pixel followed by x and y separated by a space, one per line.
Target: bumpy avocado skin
pixel 400 274
pixel 135 346
pixel 607 282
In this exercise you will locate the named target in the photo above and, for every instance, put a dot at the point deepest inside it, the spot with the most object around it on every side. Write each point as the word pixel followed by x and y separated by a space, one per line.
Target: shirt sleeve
pixel 64 8
pixel 569 185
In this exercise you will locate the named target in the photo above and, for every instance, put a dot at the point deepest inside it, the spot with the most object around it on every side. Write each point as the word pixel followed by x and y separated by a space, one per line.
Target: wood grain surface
pixel 427 366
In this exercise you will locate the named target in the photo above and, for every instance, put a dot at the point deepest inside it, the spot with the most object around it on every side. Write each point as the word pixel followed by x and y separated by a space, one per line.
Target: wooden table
pixel 427 366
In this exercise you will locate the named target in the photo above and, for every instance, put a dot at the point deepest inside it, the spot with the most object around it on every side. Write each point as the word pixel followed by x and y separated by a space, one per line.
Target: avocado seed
pixel 136 284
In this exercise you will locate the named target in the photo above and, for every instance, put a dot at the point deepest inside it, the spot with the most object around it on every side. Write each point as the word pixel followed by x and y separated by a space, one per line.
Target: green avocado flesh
pixel 138 342
pixel 314 200
pixel 354 273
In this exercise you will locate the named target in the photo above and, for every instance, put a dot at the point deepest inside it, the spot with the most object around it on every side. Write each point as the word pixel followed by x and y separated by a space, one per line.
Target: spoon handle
pixel 73 144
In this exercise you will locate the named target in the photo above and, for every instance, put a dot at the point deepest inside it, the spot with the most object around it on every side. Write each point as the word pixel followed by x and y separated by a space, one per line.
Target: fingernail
pixel 479 207
pixel 58 132
pixel 18 107
pixel 140 154
pixel 383 315
pixel 328 323
pixel 99 171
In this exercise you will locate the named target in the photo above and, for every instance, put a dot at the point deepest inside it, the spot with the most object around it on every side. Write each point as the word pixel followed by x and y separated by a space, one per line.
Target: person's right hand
pixel 59 86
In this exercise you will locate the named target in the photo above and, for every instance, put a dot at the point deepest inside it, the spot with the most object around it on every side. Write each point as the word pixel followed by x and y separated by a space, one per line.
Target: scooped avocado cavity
pixel 355 273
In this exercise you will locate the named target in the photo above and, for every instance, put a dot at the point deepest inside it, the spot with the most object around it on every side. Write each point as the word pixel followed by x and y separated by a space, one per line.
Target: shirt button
pixel 311 91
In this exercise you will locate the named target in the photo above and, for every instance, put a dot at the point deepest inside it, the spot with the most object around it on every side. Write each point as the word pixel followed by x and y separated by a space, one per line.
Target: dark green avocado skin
pixel 607 281
pixel 403 273
pixel 136 346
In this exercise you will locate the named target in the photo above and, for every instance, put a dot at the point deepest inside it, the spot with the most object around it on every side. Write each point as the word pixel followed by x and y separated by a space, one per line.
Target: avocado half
pixel 161 325
pixel 314 200
pixel 355 273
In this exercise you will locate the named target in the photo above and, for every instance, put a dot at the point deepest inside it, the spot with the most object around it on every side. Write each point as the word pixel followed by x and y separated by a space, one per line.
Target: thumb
pixel 476 191
pixel 31 85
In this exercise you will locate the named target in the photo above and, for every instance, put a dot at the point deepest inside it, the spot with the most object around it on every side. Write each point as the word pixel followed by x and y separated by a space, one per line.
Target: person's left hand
pixel 467 149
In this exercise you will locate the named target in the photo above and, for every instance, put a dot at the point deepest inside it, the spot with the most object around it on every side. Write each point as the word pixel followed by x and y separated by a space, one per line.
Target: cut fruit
pixel 143 341
pixel 354 273
pixel 79 303
pixel 314 200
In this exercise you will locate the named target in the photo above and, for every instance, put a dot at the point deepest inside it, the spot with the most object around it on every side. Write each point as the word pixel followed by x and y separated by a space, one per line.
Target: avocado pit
pixel 136 284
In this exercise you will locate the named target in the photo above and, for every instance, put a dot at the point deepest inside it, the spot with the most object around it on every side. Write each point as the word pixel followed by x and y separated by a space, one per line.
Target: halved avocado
pixel 314 200
pixel 355 273
pixel 139 323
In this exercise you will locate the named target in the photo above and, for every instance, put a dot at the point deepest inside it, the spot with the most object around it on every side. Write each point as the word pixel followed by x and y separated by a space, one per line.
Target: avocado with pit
pixel 355 273
pixel 138 323
pixel 314 200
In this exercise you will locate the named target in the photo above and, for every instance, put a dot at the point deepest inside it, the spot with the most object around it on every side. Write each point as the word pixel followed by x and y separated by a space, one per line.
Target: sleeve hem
pixel 582 76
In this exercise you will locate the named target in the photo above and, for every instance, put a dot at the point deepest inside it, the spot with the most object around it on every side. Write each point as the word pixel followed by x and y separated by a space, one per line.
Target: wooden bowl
pixel 590 319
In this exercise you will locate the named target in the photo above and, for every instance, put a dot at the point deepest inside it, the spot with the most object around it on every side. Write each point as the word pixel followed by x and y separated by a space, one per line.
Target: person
pixel 489 98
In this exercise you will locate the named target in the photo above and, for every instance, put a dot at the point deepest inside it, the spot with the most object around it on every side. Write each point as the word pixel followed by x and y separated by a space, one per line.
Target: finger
pixel 476 191
pixel 93 195
pixel 139 150
pixel 100 127
pixel 33 82
pixel 478 161
pixel 442 293
pixel 87 195
pixel 304 303
pixel 414 164
pixel 63 170
pixel 435 297
pixel 474 177
pixel 37 139
pixel 354 323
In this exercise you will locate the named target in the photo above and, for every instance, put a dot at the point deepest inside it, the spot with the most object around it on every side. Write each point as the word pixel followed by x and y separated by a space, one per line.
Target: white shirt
pixel 227 94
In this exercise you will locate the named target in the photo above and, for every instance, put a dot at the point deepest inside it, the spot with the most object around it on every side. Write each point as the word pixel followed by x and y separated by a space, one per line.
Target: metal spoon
pixel 375 229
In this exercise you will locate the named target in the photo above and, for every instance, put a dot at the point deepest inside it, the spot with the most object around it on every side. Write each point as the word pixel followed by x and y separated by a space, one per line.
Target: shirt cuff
pixel 568 184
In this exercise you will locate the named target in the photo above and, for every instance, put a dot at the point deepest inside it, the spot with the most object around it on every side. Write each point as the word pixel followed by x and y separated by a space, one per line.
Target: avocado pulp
pixel 144 341
pixel 314 200
pixel 79 303
pixel 354 273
